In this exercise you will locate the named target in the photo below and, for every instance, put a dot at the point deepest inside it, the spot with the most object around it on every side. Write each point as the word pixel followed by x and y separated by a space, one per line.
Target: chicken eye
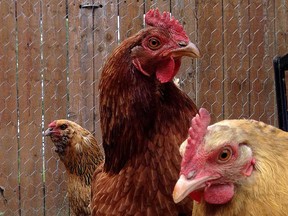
pixel 63 126
pixel 225 155
pixel 154 43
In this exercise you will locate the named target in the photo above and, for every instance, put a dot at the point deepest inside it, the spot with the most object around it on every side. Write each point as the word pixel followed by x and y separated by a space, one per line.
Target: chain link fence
pixel 51 57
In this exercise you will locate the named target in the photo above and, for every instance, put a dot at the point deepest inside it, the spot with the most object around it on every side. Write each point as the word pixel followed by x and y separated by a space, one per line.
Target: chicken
pixel 234 167
pixel 81 155
pixel 144 118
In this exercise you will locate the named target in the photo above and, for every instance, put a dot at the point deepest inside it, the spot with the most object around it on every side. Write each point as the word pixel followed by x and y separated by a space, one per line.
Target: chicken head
pixel 163 46
pixel 61 132
pixel 214 161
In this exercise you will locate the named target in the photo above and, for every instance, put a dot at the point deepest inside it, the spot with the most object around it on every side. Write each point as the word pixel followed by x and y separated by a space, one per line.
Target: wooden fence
pixel 52 53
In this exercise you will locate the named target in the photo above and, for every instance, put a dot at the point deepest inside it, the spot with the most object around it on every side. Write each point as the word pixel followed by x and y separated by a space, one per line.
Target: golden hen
pixel 234 167
pixel 78 150
pixel 144 118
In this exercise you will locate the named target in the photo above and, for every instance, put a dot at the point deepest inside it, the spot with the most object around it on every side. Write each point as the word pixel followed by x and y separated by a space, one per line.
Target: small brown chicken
pixel 81 155
pixel 234 167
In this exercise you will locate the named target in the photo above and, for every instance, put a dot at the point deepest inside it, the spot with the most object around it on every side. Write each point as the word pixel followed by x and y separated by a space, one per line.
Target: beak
pixel 48 132
pixel 185 186
pixel 189 50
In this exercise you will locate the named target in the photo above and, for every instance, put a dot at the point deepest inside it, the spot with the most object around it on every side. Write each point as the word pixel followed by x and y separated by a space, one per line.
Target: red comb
pixel 154 18
pixel 197 132
pixel 198 127
pixel 52 124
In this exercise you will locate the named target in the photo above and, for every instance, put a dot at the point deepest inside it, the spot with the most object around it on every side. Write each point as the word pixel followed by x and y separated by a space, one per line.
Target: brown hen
pixel 234 167
pixel 144 119
pixel 78 150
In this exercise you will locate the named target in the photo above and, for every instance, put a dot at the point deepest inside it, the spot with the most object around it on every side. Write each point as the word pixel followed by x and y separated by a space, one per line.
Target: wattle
pixel 219 194
pixel 167 69
pixel 196 195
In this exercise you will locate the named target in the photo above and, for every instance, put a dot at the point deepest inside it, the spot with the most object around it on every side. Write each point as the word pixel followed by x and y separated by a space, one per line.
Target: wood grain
pixel 55 100
pixel 261 53
pixel 30 108
pixel 130 17
pixel 81 74
pixel 210 76
pixel 9 198
pixel 236 59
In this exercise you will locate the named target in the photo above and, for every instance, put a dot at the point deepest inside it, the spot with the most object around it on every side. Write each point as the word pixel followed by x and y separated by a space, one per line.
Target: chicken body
pixel 78 150
pixel 236 167
pixel 144 118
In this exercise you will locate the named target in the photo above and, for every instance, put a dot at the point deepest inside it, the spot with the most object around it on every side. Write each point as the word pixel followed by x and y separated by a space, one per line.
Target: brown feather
pixel 144 119
pixel 159 122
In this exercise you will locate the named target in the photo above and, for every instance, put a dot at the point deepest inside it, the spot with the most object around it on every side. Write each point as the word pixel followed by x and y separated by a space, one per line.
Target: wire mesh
pixel 52 54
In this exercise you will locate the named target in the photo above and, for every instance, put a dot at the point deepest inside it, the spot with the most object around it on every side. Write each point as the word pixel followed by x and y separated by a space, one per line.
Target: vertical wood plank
pixel 281 27
pixel 162 5
pixel 210 72
pixel 55 100
pixel 30 110
pixel 74 55
pixel 105 41
pixel 130 17
pixel 262 105
pixel 81 74
pixel 236 59
pixel 281 32
pixel 184 11
pixel 9 200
